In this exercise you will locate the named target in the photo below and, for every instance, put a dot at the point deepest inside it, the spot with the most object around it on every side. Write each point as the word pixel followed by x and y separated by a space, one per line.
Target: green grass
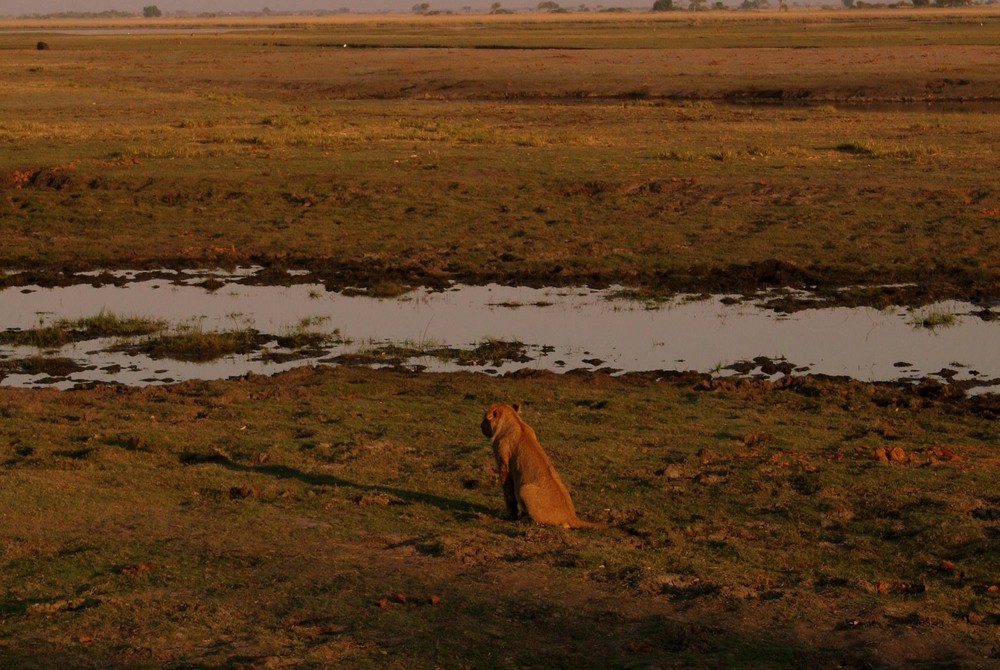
pixel 309 332
pixel 40 364
pixel 190 342
pixel 64 331
pixel 933 319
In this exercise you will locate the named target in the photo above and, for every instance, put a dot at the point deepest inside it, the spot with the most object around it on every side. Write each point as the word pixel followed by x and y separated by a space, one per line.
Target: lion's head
pixel 494 416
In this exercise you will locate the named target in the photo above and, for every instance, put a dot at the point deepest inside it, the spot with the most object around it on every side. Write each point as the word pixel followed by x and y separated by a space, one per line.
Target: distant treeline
pixel 109 14
pixel 116 14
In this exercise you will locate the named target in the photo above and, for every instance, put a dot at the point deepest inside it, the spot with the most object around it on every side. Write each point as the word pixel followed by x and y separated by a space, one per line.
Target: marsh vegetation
pixel 63 331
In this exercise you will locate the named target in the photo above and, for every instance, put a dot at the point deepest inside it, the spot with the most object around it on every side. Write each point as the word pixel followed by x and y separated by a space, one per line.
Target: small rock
pixel 434 600
pixel 897 455
pixel 880 454
pixel 382 603
pixel 400 598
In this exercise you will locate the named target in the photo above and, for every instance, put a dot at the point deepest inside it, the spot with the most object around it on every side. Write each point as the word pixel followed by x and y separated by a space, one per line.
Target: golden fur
pixel 527 475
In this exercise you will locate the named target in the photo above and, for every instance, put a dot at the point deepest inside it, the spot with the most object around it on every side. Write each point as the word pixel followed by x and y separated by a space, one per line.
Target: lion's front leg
pixel 509 496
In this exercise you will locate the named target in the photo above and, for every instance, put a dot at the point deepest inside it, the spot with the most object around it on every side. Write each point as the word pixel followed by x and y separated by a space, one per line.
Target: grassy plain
pixel 349 517
pixel 724 151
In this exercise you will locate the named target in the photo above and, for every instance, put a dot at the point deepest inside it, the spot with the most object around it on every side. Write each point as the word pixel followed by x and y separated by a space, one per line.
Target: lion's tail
pixel 580 523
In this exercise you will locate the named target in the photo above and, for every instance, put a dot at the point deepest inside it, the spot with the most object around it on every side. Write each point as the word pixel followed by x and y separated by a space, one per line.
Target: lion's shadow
pixel 319 479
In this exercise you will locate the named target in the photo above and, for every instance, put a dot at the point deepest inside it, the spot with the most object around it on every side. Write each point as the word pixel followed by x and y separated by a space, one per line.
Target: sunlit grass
pixel 933 318
pixel 883 149
pixel 627 165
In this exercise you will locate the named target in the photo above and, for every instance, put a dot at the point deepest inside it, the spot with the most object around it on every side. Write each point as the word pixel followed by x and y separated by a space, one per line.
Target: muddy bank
pixel 828 286
pixel 928 394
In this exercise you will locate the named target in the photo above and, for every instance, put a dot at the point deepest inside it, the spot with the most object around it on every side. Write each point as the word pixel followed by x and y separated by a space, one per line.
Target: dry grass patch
pixel 361 511
pixel 670 159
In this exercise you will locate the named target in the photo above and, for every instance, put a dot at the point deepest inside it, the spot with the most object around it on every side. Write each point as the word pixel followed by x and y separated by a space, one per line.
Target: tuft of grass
pixel 40 365
pixel 66 331
pixel 190 342
pixel 109 324
pixel 858 148
pixel 878 149
pixel 308 333
pixel 698 104
pixel 823 110
pixel 933 319
pixel 138 152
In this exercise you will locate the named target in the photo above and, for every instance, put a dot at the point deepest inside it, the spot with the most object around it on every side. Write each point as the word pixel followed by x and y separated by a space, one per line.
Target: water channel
pixel 561 329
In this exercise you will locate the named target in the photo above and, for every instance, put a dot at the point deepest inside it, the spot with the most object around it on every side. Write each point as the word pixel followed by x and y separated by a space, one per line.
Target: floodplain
pixel 343 516
pixel 820 148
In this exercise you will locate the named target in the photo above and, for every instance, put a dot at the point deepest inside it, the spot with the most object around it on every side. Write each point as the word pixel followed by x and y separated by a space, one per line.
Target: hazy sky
pixel 19 7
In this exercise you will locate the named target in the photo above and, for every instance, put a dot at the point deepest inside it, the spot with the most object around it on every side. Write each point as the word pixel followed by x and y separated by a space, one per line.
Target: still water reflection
pixel 562 328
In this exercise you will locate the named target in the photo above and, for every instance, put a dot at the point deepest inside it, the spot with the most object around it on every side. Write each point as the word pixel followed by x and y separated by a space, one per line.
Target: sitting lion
pixel 529 480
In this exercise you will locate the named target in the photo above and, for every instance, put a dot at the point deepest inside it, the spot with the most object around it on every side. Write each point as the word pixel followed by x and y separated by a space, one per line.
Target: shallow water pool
pixel 562 329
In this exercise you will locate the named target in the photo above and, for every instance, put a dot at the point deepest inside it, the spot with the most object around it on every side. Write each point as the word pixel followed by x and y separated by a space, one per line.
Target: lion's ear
pixel 517 407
